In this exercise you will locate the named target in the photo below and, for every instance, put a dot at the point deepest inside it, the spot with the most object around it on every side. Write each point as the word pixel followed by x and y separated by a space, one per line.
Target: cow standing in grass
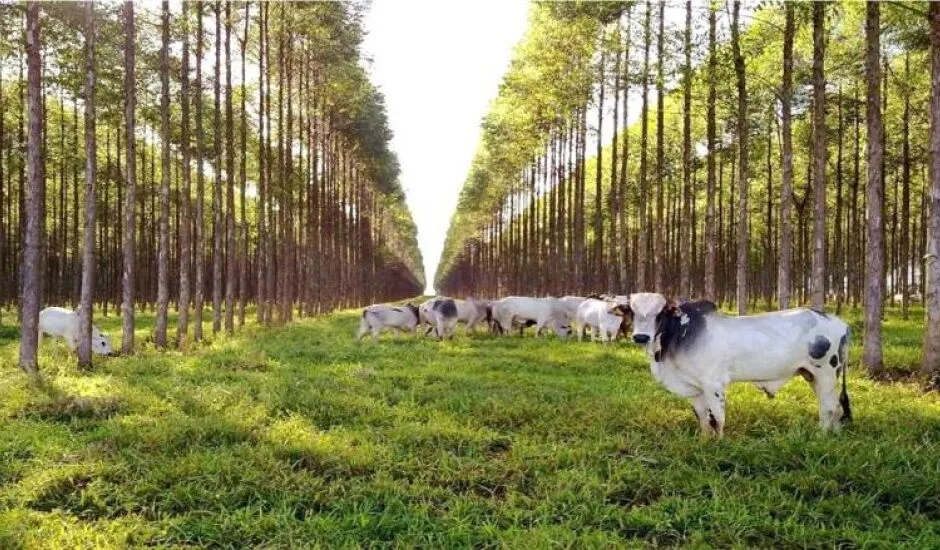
pixel 695 352
pixel 60 322
pixel 604 318
pixel 524 311
pixel 444 317
pixel 379 317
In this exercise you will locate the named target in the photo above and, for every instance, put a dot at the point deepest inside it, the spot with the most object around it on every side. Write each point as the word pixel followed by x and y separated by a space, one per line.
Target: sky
pixel 439 64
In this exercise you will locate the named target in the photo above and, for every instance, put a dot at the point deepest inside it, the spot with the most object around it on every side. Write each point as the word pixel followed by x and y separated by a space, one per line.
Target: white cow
pixel 695 352
pixel 603 317
pixel 60 322
pixel 570 305
pixel 469 312
pixel 376 318
pixel 523 311
pixel 443 317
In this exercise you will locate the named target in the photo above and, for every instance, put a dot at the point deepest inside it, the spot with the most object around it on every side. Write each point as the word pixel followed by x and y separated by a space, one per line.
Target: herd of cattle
pixel 693 350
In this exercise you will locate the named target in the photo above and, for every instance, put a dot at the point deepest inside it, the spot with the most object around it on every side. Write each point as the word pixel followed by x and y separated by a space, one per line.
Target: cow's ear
pixel 671 308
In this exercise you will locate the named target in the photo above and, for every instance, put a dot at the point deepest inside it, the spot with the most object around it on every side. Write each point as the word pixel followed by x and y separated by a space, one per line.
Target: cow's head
pixel 562 328
pixel 100 344
pixel 623 311
pixel 647 309
pixel 414 309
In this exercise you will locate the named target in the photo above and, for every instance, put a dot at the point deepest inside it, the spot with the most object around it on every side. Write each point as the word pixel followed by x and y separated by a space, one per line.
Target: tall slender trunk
pixel 742 130
pixel 904 253
pixel 818 281
pixel 91 169
pixel 32 253
pixel 874 267
pixel 231 248
pixel 643 238
pixel 243 175
pixel 182 327
pixel 200 246
pixel 930 364
pixel 711 236
pixel 163 268
pixel 130 177
pixel 660 254
pixel 786 161
pixel 217 228
pixel 685 228
pixel 598 269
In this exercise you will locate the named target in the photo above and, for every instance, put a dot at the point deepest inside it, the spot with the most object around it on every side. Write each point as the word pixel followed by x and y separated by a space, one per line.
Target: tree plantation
pixel 759 155
pixel 219 155
pixel 688 292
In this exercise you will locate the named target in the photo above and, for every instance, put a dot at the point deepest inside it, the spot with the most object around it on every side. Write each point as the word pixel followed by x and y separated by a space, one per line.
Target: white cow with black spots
pixel 695 352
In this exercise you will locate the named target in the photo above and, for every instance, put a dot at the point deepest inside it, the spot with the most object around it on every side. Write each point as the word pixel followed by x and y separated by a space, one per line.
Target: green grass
pixel 300 436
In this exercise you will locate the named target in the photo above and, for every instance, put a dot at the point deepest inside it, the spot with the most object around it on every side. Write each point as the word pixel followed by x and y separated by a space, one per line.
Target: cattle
pixel 444 317
pixel 523 311
pixel 695 352
pixel 378 317
pixel 570 305
pixel 472 311
pixel 604 318
pixel 60 322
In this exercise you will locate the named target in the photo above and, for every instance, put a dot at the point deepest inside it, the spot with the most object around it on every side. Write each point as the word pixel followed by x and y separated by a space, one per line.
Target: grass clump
pixel 301 436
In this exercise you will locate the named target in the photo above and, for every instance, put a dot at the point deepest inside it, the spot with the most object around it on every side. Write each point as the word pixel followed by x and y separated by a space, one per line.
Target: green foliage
pixel 301 436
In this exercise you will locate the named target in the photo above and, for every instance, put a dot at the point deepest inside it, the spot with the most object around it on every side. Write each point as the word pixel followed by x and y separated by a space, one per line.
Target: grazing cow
pixel 522 310
pixel 695 352
pixel 376 318
pixel 444 317
pixel 60 322
pixel 604 318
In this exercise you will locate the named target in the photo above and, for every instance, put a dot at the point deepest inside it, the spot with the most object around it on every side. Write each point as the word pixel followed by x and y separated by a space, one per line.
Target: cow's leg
pixel 700 407
pixel 538 328
pixel 713 400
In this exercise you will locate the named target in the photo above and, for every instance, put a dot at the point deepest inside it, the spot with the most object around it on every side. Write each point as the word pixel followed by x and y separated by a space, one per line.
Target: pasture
pixel 301 436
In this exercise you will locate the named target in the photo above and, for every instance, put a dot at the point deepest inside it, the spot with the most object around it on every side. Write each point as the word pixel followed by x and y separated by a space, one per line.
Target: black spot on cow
pixel 819 347
pixel 445 307
pixel 712 421
pixel 834 361
pixel 679 326
pixel 843 347
pixel 398 309
pixel 414 310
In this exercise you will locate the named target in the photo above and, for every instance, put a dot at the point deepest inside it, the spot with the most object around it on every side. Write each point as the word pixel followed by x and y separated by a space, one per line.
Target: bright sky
pixel 439 65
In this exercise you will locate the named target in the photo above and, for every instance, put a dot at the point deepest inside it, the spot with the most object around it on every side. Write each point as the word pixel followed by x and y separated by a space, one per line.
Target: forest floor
pixel 301 436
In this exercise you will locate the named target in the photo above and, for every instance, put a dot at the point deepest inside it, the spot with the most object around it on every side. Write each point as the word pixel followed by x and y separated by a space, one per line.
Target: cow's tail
pixel 844 397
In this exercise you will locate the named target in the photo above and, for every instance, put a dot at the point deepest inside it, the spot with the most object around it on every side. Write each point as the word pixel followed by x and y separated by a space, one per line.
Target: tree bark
pixel 818 282
pixel 685 228
pixel 32 247
pixel 660 254
pixel 129 245
pixel 874 267
pixel 742 130
pixel 643 238
pixel 185 245
pixel 930 364
pixel 711 238
pixel 217 204
pixel 231 248
pixel 200 187
pixel 91 169
pixel 163 239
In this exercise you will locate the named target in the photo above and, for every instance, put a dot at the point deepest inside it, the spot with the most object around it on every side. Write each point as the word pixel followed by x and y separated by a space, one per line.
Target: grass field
pixel 300 436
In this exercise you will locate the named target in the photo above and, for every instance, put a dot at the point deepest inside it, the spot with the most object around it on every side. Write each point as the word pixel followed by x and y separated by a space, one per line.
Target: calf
pixel 376 318
pixel 695 352
pixel 603 317
pixel 522 310
pixel 60 322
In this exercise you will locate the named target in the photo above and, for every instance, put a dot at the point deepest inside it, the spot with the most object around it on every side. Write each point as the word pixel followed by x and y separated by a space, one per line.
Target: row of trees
pixel 277 190
pixel 772 162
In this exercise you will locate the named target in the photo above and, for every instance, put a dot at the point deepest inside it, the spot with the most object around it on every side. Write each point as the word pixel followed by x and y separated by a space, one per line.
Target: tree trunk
pixel 660 254
pixel 91 168
pixel 643 238
pixel 231 248
pixel 163 239
pixel 904 253
pixel 32 247
pixel 130 176
pixel 931 359
pixel 742 130
pixel 874 277
pixel 200 246
pixel 598 269
pixel 818 282
pixel 686 229
pixel 711 238
pixel 217 205
pixel 185 246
